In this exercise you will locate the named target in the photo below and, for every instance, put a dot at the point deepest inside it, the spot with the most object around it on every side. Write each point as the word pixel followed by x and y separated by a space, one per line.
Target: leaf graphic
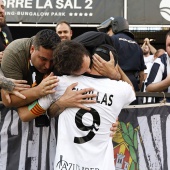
pixel 131 131
pixel 127 139
pixel 132 166
pixel 135 140
pixel 133 154
pixel 124 128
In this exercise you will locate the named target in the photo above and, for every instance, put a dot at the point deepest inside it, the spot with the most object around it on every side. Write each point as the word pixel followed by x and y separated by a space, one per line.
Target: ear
pixel 71 32
pixel 110 32
pixel 32 49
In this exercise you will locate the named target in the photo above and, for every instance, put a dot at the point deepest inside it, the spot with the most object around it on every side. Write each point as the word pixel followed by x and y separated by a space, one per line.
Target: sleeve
pixel 46 101
pixel 156 72
pixel 129 94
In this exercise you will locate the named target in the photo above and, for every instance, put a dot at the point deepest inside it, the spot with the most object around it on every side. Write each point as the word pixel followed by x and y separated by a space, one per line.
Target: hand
pixel 114 128
pixel 47 85
pixel 106 68
pixel 76 98
pixel 146 40
pixel 1 56
pixel 11 86
pixel 19 85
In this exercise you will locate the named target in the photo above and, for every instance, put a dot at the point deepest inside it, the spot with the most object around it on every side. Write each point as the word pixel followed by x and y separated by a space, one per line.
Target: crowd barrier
pixel 142 141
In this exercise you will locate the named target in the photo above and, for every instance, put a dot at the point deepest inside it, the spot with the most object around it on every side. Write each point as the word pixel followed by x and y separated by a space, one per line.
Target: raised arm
pixel 151 47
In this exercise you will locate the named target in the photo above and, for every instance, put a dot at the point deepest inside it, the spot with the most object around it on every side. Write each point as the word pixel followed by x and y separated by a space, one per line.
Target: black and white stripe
pixel 23 146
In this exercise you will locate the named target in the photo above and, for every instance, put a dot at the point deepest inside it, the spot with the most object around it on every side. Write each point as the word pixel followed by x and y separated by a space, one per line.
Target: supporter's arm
pixel 147 42
pixel 159 86
pixel 143 45
pixel 12 86
pixel 152 48
pixel 154 81
pixel 45 87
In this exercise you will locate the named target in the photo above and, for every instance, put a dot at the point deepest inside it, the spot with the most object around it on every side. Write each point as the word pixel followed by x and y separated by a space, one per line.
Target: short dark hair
pixel 68 56
pixel 46 38
pixel 63 22
pixel 104 52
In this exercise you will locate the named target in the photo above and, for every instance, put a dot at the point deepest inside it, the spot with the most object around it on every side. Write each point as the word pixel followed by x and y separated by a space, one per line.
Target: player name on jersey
pixel 102 98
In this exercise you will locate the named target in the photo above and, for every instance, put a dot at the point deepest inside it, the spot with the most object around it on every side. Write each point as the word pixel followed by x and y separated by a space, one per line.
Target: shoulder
pixel 162 59
pixel 16 55
pixel 18 45
pixel 120 85
pixel 126 90
pixel 23 41
pixel 125 84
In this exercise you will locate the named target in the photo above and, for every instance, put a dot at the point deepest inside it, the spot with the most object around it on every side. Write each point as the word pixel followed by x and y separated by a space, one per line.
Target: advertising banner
pixel 51 11
pixel 142 12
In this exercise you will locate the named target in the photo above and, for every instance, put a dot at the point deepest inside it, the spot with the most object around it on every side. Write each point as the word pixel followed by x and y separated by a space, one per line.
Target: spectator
pixel 10 85
pixel 5 34
pixel 63 29
pixel 147 49
pixel 150 50
pixel 31 59
pixel 37 52
pixel 158 53
pixel 130 54
pixel 158 79
pixel 70 147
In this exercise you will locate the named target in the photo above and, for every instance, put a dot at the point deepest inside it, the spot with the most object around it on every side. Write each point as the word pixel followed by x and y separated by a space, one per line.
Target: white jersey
pixel 84 141
pixel 148 62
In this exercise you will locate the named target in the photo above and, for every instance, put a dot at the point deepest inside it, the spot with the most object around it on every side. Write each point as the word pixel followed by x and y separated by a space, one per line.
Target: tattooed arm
pixel 11 86
pixel 6 84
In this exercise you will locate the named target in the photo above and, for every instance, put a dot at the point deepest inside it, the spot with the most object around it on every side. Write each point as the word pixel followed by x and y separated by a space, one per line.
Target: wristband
pixel 36 109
